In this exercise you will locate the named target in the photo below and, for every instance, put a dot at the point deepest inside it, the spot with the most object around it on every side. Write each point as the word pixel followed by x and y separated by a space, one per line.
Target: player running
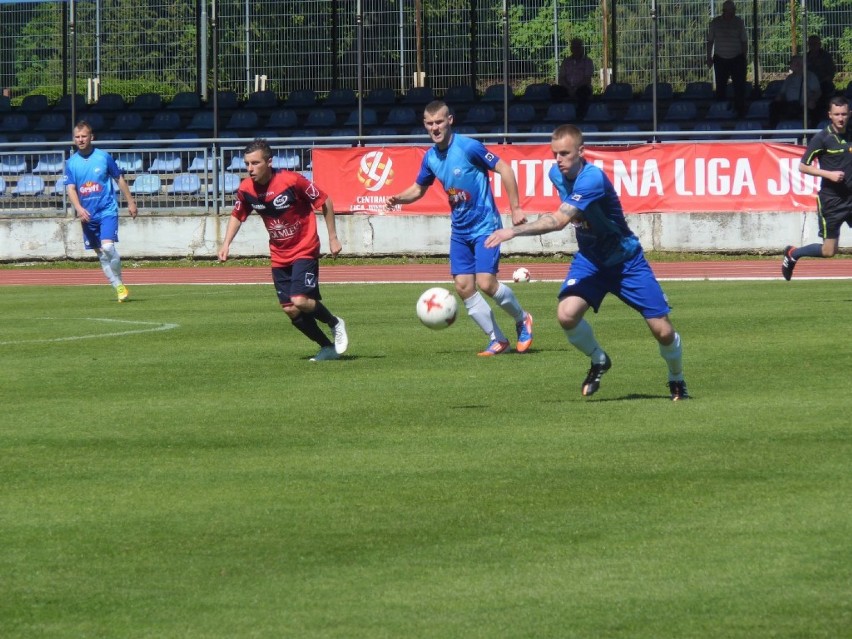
pixel 462 165
pixel 609 260
pixel 286 201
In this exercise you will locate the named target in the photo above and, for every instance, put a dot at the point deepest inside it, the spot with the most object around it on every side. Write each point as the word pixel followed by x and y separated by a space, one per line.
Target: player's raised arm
pixel 409 195
pixel 547 223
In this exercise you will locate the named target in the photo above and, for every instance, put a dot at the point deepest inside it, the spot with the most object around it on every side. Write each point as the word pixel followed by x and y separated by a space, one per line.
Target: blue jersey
pixel 603 236
pixel 463 170
pixel 93 176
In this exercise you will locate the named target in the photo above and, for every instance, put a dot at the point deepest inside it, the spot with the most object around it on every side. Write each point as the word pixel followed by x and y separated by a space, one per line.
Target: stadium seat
pixel 301 99
pixel 265 99
pixel 49 163
pixel 35 103
pixel 682 111
pixel 479 115
pixel 401 116
pixel 537 92
pixel 242 120
pixel 341 98
pixel 418 97
pixel 599 112
pixel 166 162
pixel 129 161
pixel 200 164
pixel 665 91
pixel 369 117
pixel 184 184
pixel 165 121
pixel 460 95
pixel 96 121
pixel 127 121
pixel 721 111
pixel 228 183
pixel 226 100
pixel 624 127
pixel 185 100
pixel 700 91
pixel 2 186
pixel 772 89
pixel 743 129
pixel 561 112
pixel 380 97
pixel 521 113
pixel 714 127
pixel 497 93
pixel 14 123
pixel 147 102
pixel 15 164
pixel 110 102
pixel 201 121
pixel 640 112
pixel 669 127
pixel 52 123
pixel 617 92
pixel 321 118
pixel 283 119
pixel 59 186
pixel 64 103
pixel 33 137
pixel 758 110
pixel 29 184
pixel 146 184
pixel 285 159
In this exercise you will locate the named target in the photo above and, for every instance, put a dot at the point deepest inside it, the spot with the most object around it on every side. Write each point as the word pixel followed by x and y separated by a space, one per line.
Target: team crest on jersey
pixel 489 156
pixel 312 191
pixel 576 197
pixel 281 201
pixel 310 280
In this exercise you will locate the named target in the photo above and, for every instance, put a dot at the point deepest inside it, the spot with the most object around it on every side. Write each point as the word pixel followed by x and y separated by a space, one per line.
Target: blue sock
pixel 811 250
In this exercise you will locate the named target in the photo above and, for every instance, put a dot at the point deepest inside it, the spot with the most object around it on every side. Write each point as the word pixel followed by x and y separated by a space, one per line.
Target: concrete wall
pixel 198 236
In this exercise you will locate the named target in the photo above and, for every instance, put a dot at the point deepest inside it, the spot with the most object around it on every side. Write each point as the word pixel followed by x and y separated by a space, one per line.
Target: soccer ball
pixel 521 275
pixel 437 308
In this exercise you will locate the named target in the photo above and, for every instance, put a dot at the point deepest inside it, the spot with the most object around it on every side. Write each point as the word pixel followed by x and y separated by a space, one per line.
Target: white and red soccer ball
pixel 437 308
pixel 521 274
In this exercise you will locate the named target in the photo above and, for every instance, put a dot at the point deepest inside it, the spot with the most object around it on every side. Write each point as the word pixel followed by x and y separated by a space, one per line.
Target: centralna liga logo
pixel 375 170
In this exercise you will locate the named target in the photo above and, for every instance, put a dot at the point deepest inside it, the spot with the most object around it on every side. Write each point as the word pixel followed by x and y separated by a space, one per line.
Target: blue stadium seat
pixel 127 121
pixel 758 110
pixel 301 99
pixel 772 89
pixel 340 98
pixel 185 100
pixel 49 163
pixel 166 162
pixel 599 112
pixel 147 102
pixel 537 92
pixel 34 103
pixel 283 119
pixel 184 184
pixel 201 121
pixel 640 112
pixel 521 113
pixel 699 91
pixel 401 116
pixel 321 118
pixel 721 111
pixel 110 102
pixel 665 91
pixel 29 184
pixel 368 116
pixel 682 111
pixel 497 93
pixel 165 121
pixel 2 186
pixel 228 183
pixel 59 185
pixel 561 112
pixel 743 129
pixel 617 92
pixel 15 164
pixel 226 100
pixel 285 159
pixel 14 123
pixel 418 96
pixel 95 119
pixel 64 103
pixel 460 95
pixel 200 164
pixel 129 161
pixel 479 115
pixel 380 97
pixel 146 184
pixel 242 120
pixel 265 99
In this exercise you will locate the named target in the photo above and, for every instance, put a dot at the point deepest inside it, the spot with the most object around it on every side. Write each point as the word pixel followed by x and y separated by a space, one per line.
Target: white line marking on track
pixel 153 327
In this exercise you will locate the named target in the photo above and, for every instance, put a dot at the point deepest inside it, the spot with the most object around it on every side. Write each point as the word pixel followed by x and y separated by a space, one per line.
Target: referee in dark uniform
pixel 834 200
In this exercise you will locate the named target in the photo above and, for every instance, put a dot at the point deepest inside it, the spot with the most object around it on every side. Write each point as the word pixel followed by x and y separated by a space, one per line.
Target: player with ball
pixel 462 165
pixel 609 260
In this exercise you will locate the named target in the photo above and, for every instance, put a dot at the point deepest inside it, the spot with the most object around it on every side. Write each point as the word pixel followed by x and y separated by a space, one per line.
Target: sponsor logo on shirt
pixel 457 196
pixel 90 188
pixel 281 231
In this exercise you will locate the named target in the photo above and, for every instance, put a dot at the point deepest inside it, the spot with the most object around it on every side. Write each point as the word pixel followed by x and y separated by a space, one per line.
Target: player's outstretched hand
pixel 499 236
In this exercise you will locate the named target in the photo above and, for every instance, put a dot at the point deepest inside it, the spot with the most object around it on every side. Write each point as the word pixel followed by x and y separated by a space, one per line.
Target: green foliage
pixel 209 481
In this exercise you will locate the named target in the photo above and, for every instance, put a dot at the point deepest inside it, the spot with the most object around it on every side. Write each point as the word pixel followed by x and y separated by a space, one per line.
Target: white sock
pixel 582 337
pixel 114 259
pixel 505 298
pixel 673 354
pixel 106 266
pixel 481 313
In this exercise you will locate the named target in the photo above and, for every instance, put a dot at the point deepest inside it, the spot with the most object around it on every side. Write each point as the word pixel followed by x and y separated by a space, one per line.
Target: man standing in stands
pixel 727 46
pixel 90 177
pixel 575 76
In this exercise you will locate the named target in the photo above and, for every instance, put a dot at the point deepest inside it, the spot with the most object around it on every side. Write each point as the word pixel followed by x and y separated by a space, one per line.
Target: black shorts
pixel 300 279
pixel 833 212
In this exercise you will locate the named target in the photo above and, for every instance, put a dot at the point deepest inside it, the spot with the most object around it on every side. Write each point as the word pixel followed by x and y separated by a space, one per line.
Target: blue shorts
pixel 469 256
pixel 633 282
pixel 96 231
pixel 300 279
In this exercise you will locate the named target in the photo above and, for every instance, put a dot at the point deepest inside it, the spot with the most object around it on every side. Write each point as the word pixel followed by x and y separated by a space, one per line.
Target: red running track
pixel 837 268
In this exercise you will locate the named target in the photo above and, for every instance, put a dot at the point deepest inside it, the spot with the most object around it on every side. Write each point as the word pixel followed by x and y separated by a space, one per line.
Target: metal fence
pixel 52 47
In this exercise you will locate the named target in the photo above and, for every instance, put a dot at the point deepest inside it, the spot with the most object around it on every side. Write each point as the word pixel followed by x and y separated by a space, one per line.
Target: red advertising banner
pixel 650 178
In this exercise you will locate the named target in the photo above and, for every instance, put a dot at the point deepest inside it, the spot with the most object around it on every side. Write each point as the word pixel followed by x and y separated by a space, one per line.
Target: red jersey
pixel 286 205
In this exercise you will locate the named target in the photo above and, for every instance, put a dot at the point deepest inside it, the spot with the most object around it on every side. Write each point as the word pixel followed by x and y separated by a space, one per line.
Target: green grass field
pixel 176 467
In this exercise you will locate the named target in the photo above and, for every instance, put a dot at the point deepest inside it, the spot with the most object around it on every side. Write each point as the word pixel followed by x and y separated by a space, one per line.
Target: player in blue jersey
pixel 609 260
pixel 90 178
pixel 462 164
pixel 833 148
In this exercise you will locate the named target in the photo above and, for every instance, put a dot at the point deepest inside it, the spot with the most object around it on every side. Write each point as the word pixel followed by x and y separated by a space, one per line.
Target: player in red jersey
pixel 286 202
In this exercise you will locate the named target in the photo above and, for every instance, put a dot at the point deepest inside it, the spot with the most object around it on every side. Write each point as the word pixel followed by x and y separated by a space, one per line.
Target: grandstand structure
pixel 347 73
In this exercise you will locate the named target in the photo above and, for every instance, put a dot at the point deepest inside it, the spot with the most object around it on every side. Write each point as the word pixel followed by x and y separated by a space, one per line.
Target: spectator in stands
pixel 831 147
pixel 788 104
pixel 462 165
pixel 286 201
pixel 575 77
pixel 90 175
pixel 822 64
pixel 727 46
pixel 609 260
